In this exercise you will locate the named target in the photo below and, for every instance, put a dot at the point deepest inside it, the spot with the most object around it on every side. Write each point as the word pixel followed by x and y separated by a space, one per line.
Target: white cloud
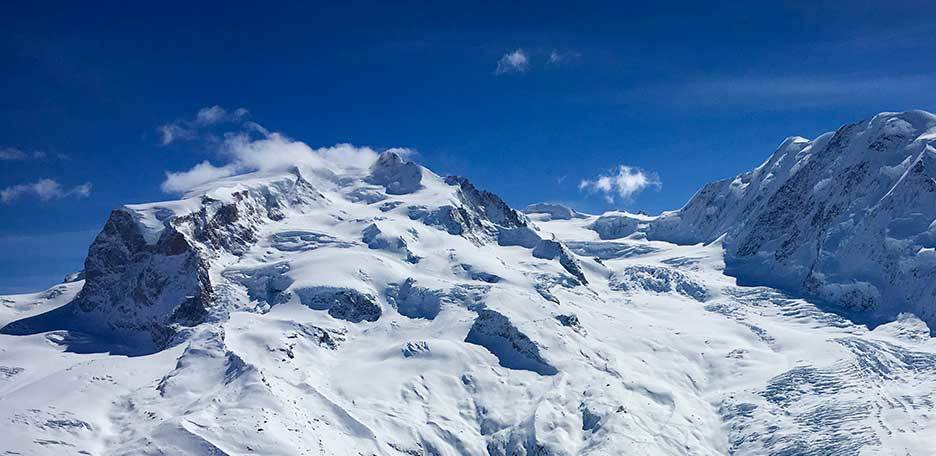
pixel 82 191
pixel 199 174
pixel 243 152
pixel 562 57
pixel 626 183
pixel 404 152
pixel 521 61
pixel 12 153
pixel 513 62
pixel 279 152
pixel 9 153
pixel 555 57
pixel 256 128
pixel 251 147
pixel 173 132
pixel 45 190
pixel 210 115
pixel 187 130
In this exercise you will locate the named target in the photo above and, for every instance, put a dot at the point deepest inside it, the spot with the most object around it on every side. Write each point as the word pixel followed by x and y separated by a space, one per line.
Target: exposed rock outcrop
pixel 512 348
pixel 147 273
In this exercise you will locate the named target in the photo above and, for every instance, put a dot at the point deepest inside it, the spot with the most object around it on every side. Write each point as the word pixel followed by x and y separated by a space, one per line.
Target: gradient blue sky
pixel 686 92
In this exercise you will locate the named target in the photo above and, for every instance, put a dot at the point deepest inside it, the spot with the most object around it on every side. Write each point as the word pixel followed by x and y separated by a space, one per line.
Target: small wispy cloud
pixel 179 182
pixel 9 153
pixel 251 147
pixel 216 114
pixel 522 61
pixel 191 129
pixel 513 62
pixel 210 115
pixel 174 132
pixel 45 190
pixel 557 57
pixel 624 183
pixel 12 153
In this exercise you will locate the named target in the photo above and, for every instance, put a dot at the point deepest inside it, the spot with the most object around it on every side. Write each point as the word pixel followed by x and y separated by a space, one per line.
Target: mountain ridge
pixel 383 309
pixel 817 201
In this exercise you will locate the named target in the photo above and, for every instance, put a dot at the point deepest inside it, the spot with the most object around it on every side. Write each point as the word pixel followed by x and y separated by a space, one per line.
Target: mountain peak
pixel 918 119
pixel 398 175
pixel 382 309
pixel 837 217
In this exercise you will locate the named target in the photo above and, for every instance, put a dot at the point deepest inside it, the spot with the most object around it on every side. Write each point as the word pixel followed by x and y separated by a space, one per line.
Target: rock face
pixel 148 271
pixel 414 301
pixel 376 239
pixel 132 285
pixel 552 249
pixel 479 216
pixel 847 217
pixel 512 348
pixel 341 303
pixel 485 203
pixel 484 217
pixel 157 269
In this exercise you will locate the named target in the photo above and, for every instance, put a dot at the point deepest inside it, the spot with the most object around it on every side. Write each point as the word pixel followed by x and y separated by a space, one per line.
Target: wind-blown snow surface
pixel 849 218
pixel 387 311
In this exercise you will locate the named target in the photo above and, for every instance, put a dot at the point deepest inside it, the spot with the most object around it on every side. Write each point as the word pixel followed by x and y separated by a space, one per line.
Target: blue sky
pixel 527 100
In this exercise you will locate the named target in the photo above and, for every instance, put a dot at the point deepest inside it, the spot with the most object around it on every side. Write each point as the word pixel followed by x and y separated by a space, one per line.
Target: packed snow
pixel 385 310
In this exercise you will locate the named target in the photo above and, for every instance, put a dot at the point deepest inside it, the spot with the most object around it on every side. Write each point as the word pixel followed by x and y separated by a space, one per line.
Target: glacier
pixel 383 309
pixel 848 218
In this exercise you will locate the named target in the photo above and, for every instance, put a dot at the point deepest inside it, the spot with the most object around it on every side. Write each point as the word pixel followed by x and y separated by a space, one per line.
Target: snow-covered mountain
pixel 383 309
pixel 848 218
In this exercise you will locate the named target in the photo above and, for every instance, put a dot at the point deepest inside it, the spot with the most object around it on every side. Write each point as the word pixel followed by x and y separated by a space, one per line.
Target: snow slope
pixel 387 310
pixel 848 218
